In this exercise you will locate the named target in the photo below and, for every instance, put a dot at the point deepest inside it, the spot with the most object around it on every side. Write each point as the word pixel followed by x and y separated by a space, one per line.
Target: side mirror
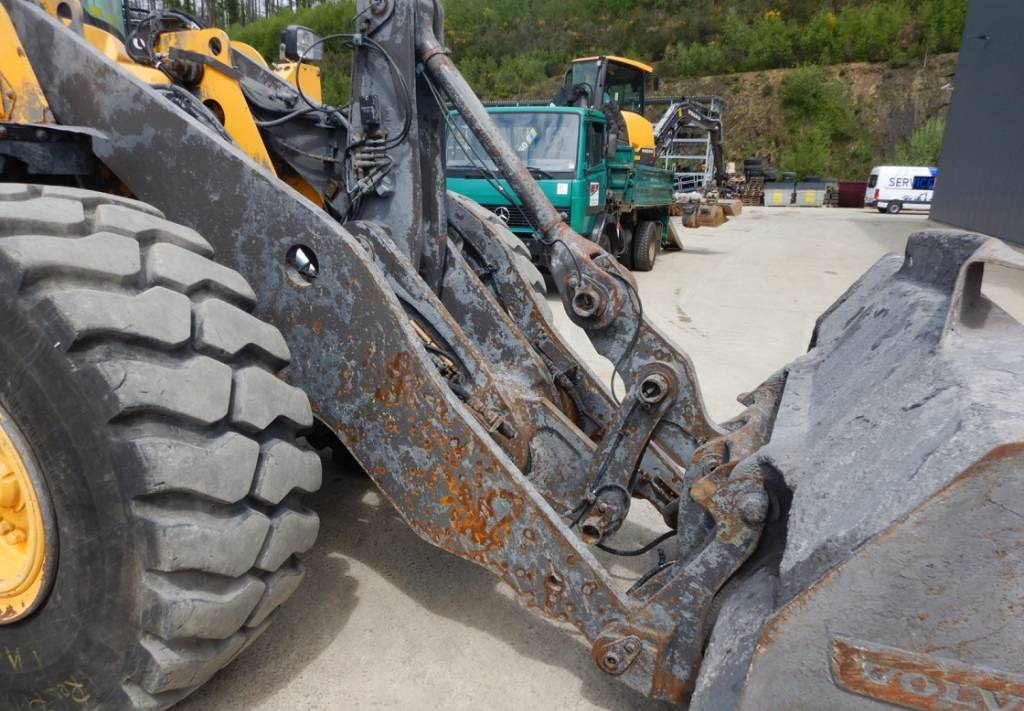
pixel 301 43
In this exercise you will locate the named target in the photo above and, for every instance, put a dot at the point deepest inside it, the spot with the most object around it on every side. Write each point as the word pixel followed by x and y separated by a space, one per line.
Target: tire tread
pixel 215 531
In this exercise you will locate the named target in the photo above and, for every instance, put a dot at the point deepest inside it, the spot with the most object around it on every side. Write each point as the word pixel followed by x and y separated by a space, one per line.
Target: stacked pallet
pixel 753 192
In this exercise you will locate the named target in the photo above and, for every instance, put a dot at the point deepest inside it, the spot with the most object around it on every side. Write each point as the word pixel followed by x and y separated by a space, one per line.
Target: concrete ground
pixel 385 621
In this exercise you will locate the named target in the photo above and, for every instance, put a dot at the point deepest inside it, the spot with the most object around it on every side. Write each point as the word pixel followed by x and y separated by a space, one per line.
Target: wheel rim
pixel 27 553
pixel 652 252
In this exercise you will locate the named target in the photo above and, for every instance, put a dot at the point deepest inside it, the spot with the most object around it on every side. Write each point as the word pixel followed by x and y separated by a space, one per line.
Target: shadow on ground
pixel 358 525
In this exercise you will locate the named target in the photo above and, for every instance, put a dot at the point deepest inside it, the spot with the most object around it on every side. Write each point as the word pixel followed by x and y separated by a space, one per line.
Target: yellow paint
pixel 304 76
pixel 301 186
pixel 220 92
pixel 21 97
pixel 22 536
pixel 639 130
pixel 810 197
pixel 645 68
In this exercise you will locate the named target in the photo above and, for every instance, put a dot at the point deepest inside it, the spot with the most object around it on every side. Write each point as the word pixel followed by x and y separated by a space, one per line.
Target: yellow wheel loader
pixel 180 221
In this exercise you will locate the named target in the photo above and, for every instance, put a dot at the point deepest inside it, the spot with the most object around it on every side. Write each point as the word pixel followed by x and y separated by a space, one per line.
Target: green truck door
pixel 590 193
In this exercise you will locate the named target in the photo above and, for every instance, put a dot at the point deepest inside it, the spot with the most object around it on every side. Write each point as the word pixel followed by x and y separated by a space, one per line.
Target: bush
pixel 924 147
pixel 498 39
pixel 821 122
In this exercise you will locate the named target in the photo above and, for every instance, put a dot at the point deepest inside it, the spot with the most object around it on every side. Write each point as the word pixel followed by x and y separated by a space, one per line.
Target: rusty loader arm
pixel 894 445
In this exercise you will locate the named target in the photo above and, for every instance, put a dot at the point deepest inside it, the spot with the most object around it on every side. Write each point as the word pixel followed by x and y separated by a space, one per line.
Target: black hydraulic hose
pixel 639 551
pixel 286 118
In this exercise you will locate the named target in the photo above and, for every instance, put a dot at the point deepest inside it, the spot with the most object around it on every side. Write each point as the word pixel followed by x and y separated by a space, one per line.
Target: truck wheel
pixel 894 208
pixel 150 464
pixel 646 243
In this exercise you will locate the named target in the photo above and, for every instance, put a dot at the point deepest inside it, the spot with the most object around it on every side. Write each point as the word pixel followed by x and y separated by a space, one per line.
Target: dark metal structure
pixel 835 546
pixel 979 182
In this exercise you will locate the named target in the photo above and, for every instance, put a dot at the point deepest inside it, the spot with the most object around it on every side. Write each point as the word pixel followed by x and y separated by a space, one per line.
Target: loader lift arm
pixel 494 444
pixel 424 348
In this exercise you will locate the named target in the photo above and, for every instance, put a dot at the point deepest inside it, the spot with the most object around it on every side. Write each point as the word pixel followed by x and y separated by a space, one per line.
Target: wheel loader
pixel 180 221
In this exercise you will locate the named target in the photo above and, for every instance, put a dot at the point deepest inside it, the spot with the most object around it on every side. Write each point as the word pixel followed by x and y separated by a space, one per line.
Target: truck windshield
pixel 547 142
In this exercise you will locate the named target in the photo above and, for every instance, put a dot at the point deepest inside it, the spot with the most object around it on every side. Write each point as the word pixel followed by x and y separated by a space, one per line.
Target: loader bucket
pixel 900 438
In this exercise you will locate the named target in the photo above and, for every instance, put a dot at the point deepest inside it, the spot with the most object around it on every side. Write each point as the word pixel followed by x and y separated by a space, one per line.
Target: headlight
pixel 296 41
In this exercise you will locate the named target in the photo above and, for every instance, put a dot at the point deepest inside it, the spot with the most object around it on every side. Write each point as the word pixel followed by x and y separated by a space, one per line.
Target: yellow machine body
pixel 22 99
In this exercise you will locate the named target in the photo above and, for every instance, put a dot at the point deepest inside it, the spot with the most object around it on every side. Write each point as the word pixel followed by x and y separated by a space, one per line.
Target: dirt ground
pixel 385 621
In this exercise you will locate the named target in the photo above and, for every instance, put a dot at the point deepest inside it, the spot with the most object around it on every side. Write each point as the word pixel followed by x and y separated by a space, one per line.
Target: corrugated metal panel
pixel 981 173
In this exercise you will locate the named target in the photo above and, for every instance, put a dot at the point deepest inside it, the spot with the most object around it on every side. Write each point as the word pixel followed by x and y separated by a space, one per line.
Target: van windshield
pixel 548 143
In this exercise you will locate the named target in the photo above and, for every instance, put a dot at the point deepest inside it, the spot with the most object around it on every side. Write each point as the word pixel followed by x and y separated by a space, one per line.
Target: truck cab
pixel 594 181
pixel 564 148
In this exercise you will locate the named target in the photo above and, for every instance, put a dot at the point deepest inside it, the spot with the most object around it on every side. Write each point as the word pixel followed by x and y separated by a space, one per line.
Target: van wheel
pixel 646 244
pixel 150 456
pixel 894 208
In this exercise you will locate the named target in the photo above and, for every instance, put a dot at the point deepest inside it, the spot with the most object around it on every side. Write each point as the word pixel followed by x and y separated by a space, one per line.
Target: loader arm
pixel 686 113
pixel 423 346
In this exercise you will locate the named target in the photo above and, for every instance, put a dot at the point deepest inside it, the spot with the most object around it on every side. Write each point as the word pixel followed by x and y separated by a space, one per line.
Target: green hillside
pixel 520 49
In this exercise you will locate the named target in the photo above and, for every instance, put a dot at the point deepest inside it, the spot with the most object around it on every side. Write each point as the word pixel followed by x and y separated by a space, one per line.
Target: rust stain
pixel 396 372
pixel 475 516
pixel 917 681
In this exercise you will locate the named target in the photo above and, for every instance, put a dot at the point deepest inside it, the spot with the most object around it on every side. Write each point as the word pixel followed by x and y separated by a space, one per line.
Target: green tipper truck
pixel 601 190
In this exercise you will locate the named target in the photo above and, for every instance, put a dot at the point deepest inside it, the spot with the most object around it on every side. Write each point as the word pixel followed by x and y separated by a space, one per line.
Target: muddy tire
pixel 646 245
pixel 169 450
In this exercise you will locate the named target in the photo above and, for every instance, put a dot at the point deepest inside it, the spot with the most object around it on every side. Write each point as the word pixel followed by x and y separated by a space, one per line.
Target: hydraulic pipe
pixel 442 70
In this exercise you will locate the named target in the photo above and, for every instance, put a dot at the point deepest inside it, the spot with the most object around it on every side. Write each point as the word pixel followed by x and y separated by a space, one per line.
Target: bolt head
pixel 753 509
pixel 15 537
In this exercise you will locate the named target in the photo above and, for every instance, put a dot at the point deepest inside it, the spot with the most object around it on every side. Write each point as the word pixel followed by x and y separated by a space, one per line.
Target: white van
pixel 894 188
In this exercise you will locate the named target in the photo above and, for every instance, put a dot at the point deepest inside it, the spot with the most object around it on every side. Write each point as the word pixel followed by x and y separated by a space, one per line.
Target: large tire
pixel 148 399
pixel 646 244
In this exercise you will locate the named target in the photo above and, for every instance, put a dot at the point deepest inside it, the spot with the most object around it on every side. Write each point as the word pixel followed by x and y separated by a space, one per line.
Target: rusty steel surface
pixel 424 346
pixel 919 681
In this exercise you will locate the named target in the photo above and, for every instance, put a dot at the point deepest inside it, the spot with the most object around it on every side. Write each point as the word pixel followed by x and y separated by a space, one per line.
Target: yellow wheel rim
pixel 23 547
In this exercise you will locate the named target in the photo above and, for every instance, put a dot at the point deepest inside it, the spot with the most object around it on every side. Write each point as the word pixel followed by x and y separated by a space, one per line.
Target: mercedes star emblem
pixel 503 214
